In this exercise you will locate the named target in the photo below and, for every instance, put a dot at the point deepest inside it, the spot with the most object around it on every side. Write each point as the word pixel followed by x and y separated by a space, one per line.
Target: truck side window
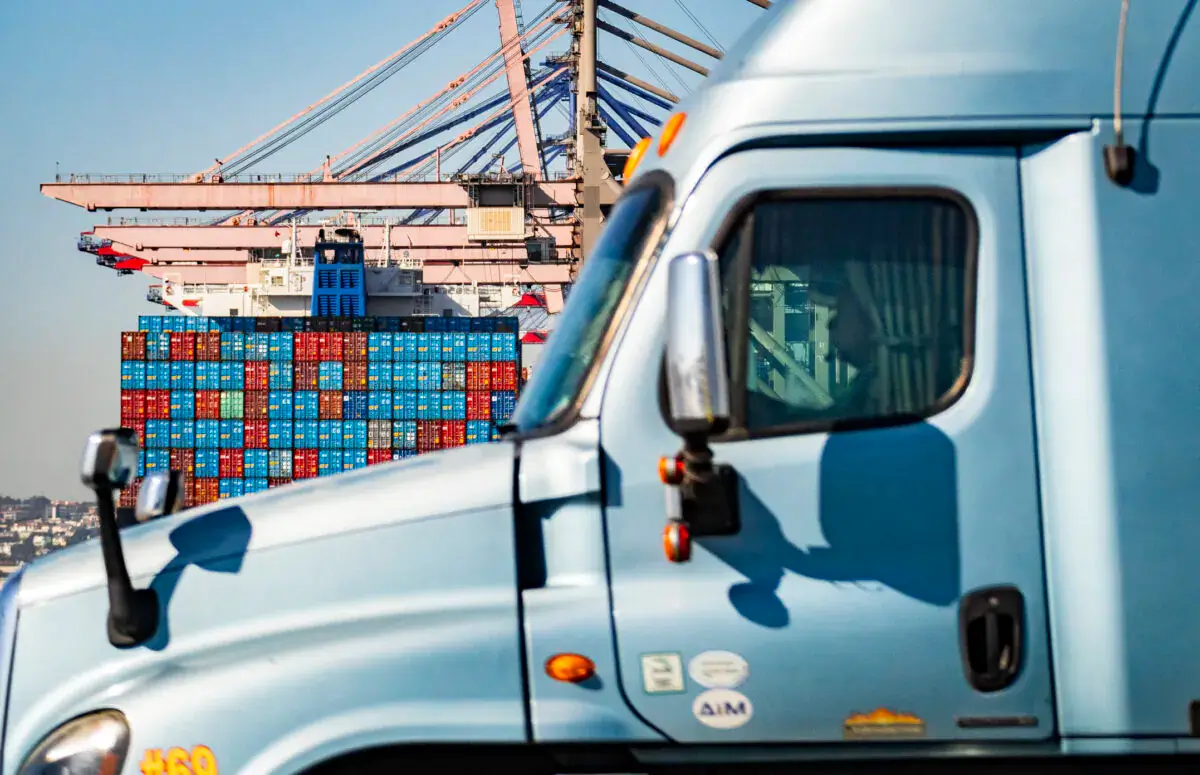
pixel 845 311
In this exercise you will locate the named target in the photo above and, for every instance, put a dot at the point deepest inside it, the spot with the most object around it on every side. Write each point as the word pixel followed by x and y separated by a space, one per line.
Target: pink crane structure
pixel 520 227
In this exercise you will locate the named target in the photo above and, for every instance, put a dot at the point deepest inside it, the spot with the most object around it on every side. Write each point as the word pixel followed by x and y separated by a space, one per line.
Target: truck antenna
pixel 1119 158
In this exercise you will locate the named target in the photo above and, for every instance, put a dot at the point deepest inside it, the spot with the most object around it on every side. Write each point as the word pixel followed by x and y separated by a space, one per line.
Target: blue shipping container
pixel 429 376
pixel 404 347
pixel 454 346
pixel 183 404
pixel 454 405
pixel 158 460
pixel 233 434
pixel 279 405
pixel 329 375
pixel 133 375
pixel 354 434
pixel 504 347
pixel 158 434
pixel 208 463
pixel 354 405
pixel 306 405
pixel 208 375
pixel 379 376
pixel 458 324
pixel 233 376
pixel 379 405
pixel 183 375
pixel 231 488
pixel 158 375
pixel 437 324
pixel 479 431
pixel 401 454
pixel 429 405
pixel 429 347
pixel 279 375
pixel 404 376
pixel 379 347
pixel 329 462
pixel 305 434
pixel 404 405
pixel 479 347
pixel 254 464
pixel 504 403
pixel 256 484
pixel 258 347
pixel 279 434
pixel 329 434
pixel 208 434
pixel 183 434
pixel 354 458
pixel 174 324
pixel 233 346
pixel 279 346
pixel 158 346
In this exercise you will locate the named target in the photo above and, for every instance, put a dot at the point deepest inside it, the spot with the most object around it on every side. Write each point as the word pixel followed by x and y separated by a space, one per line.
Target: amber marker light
pixel 570 668
pixel 635 157
pixel 677 542
pixel 670 132
pixel 670 470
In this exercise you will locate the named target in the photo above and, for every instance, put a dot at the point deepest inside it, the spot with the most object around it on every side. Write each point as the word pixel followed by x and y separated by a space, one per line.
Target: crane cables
pixel 312 120
pixel 357 162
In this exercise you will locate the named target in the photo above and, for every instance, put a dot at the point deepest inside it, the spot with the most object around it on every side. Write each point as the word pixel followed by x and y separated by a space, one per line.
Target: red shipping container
pixel 354 375
pixel 354 346
pixel 330 346
pixel 133 346
pixel 256 404
pixel 183 346
pixel 190 495
pixel 138 427
pixel 184 460
pixel 278 482
pixel 479 405
pixel 429 435
pixel 329 405
pixel 257 434
pixel 504 375
pixel 207 491
pixel 306 375
pixel 258 375
pixel 158 404
pixel 376 456
pixel 311 349
pixel 229 463
pixel 133 405
pixel 305 463
pixel 208 346
pixel 128 499
pixel 454 433
pixel 208 404
pixel 479 376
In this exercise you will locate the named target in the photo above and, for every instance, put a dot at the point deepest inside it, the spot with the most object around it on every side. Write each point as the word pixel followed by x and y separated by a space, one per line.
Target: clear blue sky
pixel 139 86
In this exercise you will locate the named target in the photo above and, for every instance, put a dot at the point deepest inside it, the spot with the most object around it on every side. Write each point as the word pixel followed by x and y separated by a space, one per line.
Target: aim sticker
pixel 719 670
pixel 723 709
pixel 178 761
pixel 662 673
pixel 883 723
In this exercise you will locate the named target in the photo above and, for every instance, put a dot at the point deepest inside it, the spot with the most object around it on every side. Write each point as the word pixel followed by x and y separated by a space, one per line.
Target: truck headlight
pixel 94 744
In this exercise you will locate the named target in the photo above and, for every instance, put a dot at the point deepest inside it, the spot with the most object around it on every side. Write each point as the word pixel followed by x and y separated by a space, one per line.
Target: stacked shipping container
pixel 243 404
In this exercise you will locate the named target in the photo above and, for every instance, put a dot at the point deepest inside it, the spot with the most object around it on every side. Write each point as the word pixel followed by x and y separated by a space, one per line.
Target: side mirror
pixel 697 383
pixel 109 459
pixel 161 494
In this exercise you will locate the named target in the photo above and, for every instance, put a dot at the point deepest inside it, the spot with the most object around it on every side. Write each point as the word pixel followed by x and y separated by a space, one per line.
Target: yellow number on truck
pixel 178 761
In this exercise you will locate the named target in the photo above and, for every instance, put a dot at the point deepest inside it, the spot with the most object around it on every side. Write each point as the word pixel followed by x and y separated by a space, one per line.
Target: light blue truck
pixel 870 435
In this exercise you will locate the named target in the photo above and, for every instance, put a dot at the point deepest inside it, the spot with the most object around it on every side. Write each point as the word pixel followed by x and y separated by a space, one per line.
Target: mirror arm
pixel 708 490
pixel 132 613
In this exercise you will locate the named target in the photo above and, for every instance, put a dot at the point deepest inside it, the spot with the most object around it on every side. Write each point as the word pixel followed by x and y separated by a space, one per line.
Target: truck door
pixel 886 582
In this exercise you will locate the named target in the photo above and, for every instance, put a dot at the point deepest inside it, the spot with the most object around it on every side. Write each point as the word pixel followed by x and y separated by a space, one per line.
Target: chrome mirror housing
pixel 697 382
pixel 161 494
pixel 110 459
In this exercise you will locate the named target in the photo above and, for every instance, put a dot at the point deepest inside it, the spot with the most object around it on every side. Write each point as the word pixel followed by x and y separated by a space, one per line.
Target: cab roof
pixel 930 63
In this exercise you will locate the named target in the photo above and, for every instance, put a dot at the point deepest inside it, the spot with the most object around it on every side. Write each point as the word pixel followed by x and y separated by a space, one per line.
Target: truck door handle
pixel 991 635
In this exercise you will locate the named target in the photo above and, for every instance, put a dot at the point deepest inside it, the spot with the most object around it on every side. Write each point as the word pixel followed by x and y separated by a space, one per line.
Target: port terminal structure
pixel 441 234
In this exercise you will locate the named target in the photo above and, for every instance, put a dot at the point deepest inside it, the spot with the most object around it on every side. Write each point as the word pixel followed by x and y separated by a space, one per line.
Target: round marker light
pixel 670 132
pixel 635 157
pixel 670 470
pixel 570 668
pixel 677 542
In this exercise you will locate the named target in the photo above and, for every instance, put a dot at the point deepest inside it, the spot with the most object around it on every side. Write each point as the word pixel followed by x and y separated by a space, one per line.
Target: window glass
pixel 846 310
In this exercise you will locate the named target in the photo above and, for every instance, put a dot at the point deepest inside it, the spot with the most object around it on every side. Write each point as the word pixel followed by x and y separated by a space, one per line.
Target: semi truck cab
pixel 868 435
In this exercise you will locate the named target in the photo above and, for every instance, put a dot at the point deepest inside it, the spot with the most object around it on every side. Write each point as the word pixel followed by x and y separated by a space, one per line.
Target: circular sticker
pixel 719 669
pixel 722 709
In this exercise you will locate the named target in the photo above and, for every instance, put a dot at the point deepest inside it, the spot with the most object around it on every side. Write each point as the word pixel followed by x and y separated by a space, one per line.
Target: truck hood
pixel 433 485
